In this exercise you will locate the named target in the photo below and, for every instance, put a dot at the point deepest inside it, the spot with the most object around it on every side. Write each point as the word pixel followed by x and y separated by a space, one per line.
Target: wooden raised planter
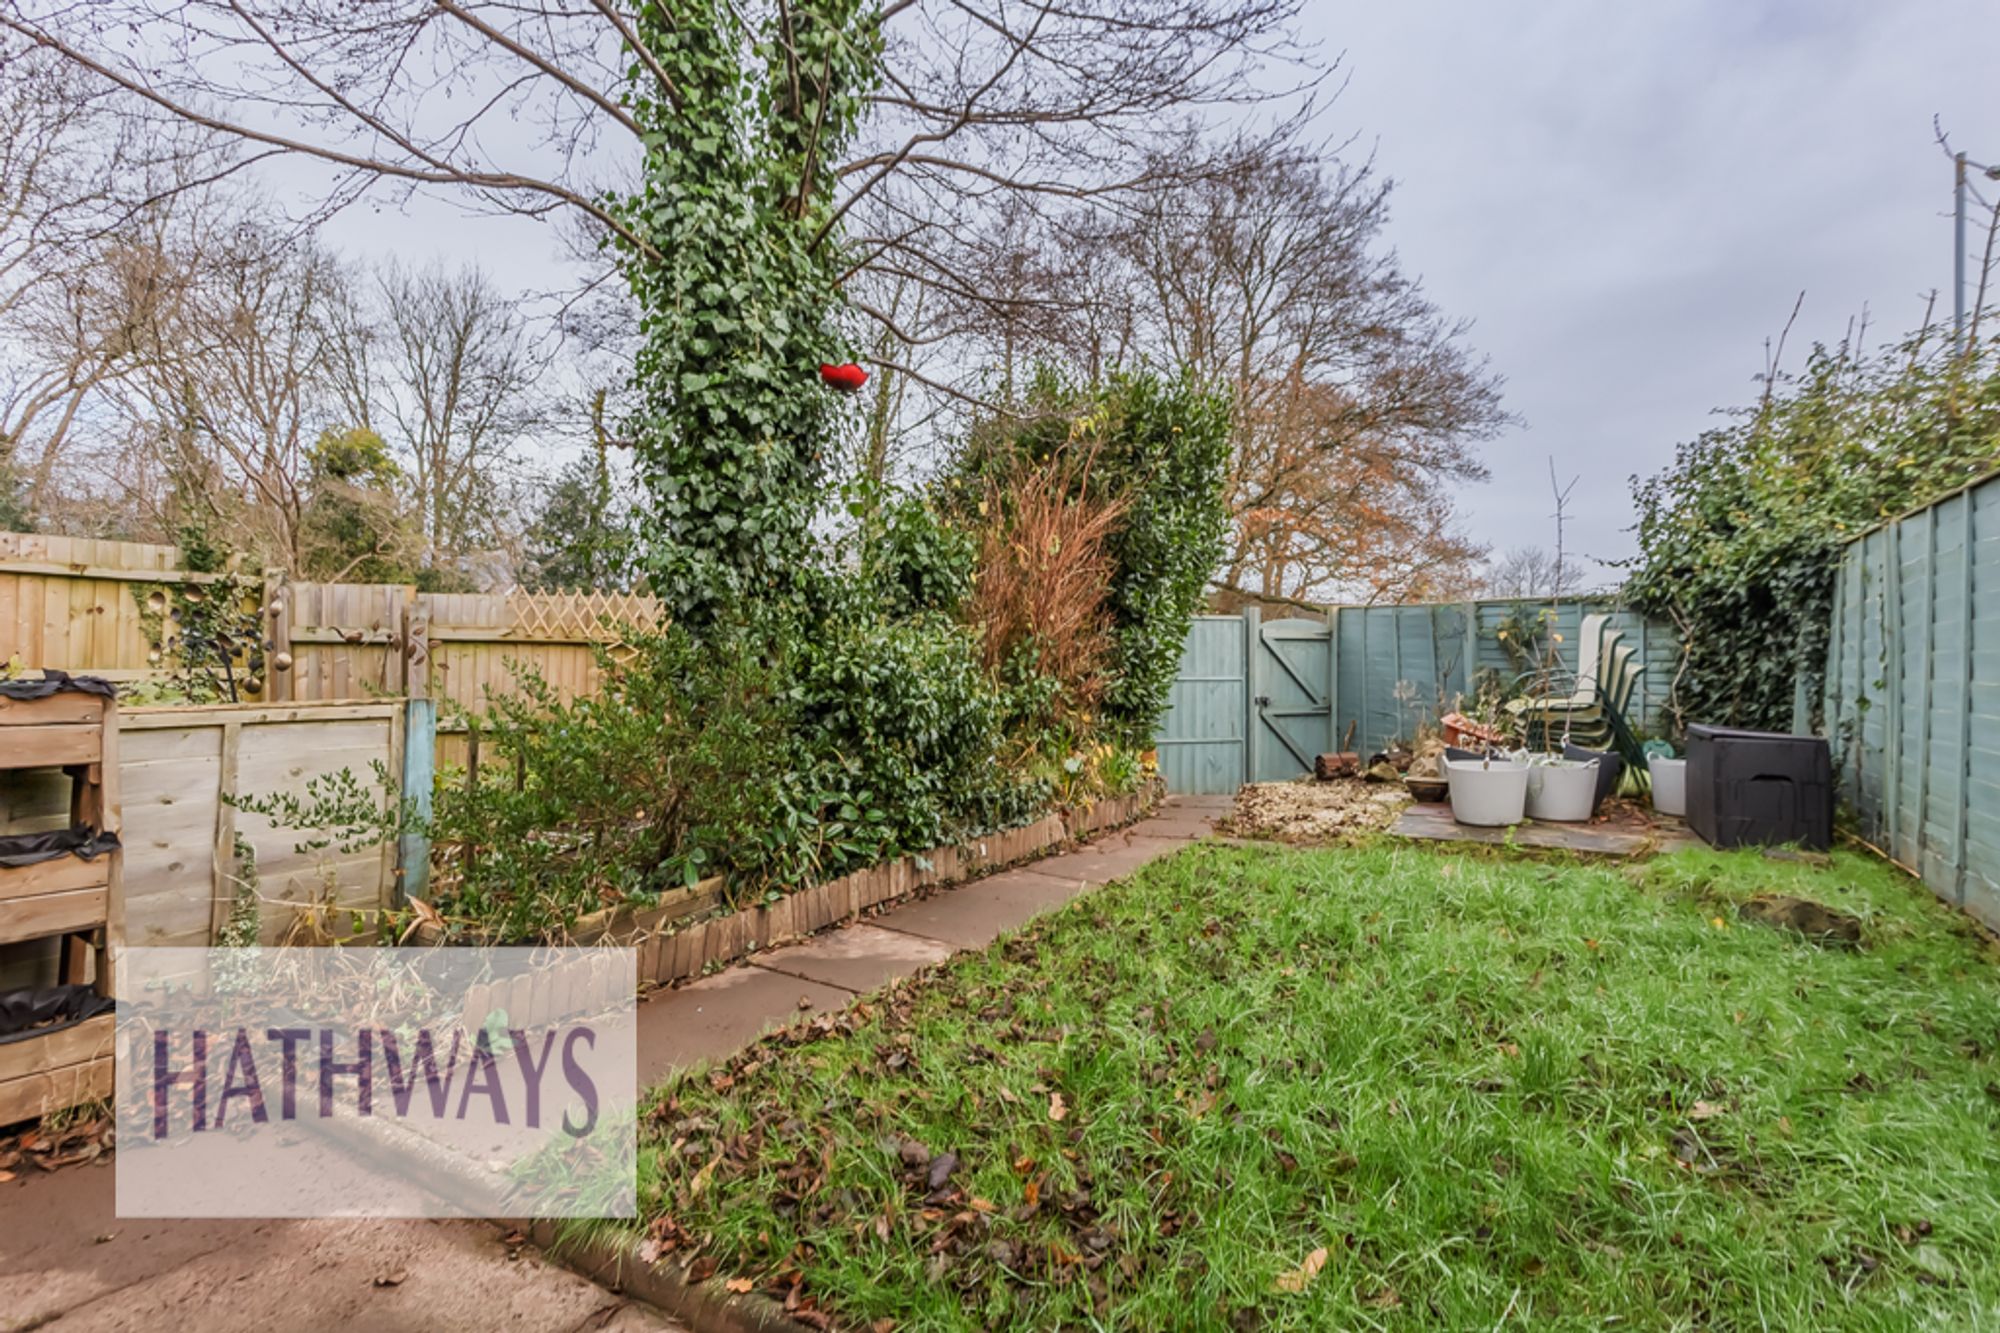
pixel 67 898
pixel 67 1067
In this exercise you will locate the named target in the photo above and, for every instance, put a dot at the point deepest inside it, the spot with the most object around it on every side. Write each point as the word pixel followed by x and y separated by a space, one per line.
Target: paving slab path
pixel 719 1015
pixel 67 1262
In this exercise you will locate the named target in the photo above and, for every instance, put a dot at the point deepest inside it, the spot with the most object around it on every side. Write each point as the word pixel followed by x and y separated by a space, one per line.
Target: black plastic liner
pixel 36 1013
pixel 26 849
pixel 1610 768
pixel 56 682
pixel 1460 755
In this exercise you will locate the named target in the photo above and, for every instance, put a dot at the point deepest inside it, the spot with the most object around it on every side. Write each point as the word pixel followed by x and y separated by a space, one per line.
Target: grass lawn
pixel 1379 1087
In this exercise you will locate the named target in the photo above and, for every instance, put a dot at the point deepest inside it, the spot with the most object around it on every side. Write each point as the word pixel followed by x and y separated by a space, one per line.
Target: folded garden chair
pixel 1553 690
pixel 1590 706
pixel 1596 717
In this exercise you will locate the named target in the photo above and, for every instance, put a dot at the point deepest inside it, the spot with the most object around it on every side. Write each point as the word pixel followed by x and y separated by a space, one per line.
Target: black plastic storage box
pixel 1759 788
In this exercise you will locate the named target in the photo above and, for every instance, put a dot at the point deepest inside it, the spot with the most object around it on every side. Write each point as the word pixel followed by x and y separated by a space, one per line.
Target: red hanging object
pixel 848 378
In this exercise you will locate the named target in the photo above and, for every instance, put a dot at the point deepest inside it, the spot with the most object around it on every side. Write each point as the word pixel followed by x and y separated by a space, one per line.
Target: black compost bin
pixel 1759 788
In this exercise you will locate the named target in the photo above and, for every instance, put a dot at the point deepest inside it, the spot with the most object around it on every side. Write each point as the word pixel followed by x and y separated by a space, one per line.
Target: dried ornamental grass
pixel 1045 573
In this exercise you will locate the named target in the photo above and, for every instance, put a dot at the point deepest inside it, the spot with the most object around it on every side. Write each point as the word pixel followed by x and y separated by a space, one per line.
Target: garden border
pixel 690 931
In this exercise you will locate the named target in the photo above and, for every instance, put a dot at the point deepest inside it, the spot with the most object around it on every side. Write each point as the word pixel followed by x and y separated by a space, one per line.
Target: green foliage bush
pixel 1162 446
pixel 914 560
pixel 869 738
pixel 1739 540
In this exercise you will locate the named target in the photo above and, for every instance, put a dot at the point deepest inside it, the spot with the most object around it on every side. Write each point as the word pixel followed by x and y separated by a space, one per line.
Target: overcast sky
pixel 1625 198
pixel 1628 198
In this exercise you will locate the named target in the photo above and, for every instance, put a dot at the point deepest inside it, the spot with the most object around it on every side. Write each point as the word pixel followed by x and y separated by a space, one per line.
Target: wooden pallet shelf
pixel 68 898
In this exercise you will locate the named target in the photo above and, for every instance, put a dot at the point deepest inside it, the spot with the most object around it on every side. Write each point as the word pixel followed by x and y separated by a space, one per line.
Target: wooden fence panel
pixel 180 834
pixel 1913 692
pixel 171 785
pixel 85 606
pixel 92 607
pixel 345 639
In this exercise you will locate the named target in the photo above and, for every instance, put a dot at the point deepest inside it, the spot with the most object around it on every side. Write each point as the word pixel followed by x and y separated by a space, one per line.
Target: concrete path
pixel 67 1262
pixel 719 1015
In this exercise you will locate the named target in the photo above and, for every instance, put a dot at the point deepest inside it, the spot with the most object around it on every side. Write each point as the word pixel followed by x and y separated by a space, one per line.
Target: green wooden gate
pixel 1291 689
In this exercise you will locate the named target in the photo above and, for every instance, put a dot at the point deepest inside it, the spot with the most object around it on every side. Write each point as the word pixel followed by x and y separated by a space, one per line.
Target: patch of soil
pixel 1311 812
pixel 1818 923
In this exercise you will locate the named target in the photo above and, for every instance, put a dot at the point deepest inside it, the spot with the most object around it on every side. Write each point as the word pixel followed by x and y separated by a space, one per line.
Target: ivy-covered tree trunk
pixel 738 283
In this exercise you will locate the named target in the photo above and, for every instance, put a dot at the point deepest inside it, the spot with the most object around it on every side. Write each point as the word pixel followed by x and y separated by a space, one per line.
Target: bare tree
pixel 450 381
pixel 515 105
pixel 80 268
pixel 1528 572
pixel 1358 402
pixel 231 386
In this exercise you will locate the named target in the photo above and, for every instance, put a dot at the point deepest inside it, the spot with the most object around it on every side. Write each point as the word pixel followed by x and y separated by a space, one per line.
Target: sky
pixel 1625 199
pixel 1628 199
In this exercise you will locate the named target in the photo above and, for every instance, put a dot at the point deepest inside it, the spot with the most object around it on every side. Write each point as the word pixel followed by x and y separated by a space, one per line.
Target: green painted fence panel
pixel 1257 700
pixel 1203 735
pixel 1913 692
pixel 1402 665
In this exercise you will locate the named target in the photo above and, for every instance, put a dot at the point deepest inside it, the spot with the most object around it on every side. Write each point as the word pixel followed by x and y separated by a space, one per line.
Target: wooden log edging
pixel 612 1260
pixel 667 956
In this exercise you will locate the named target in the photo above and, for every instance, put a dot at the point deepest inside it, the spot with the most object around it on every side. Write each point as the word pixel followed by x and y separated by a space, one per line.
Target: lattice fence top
pixel 582 615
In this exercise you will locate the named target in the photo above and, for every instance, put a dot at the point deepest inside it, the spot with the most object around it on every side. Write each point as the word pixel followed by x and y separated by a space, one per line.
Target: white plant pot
pixel 1487 794
pixel 1562 792
pixel 1670 785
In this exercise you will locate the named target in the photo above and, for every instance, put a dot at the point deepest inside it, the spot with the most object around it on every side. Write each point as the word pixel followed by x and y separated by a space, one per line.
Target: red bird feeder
pixel 848 378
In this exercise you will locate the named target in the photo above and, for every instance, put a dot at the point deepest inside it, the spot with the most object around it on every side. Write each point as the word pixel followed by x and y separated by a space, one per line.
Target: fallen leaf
pixel 740 1285
pixel 1385 1299
pixel 1301 1277
pixel 1706 1110
pixel 703 1176
pixel 1058 1108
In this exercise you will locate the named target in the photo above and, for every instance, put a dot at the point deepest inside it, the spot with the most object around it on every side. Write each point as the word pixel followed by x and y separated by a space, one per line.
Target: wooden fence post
pixel 1332 679
pixel 416 647
pixel 413 848
pixel 1253 687
pixel 280 665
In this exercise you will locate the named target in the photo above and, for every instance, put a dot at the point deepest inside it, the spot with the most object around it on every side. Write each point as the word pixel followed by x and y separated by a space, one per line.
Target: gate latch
pixel 1263 701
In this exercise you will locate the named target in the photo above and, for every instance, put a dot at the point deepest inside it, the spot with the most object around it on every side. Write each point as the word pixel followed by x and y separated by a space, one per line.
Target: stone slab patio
pixel 1625 832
